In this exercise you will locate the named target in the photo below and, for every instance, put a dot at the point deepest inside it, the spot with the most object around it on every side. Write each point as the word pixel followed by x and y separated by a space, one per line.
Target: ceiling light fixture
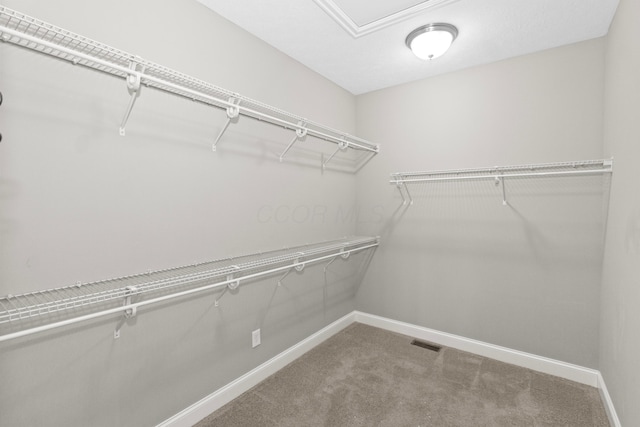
pixel 432 40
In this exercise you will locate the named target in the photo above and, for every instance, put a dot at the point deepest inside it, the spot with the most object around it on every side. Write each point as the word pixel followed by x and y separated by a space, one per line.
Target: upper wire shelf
pixel 84 301
pixel 500 173
pixel 40 36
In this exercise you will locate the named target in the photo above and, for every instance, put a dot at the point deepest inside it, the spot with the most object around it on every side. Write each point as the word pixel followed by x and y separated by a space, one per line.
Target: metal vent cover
pixel 427 345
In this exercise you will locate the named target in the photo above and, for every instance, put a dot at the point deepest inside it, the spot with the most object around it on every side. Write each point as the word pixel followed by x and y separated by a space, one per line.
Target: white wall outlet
pixel 255 338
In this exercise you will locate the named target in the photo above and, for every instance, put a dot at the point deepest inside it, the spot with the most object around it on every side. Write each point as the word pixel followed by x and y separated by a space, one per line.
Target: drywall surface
pixel 80 203
pixel 527 275
pixel 620 324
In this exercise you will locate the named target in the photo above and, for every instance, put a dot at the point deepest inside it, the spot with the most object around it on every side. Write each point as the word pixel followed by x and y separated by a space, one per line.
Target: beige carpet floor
pixel 364 376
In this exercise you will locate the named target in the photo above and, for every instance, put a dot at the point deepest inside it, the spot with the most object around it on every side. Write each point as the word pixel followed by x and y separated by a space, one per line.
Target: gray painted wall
pixel 526 276
pixel 620 324
pixel 80 203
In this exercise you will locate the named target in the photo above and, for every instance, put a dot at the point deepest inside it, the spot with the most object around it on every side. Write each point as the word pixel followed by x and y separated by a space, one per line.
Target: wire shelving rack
pixel 57 307
pixel 34 34
pixel 499 174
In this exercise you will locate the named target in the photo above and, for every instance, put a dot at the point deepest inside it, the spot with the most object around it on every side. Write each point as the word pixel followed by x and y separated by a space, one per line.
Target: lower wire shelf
pixel 39 311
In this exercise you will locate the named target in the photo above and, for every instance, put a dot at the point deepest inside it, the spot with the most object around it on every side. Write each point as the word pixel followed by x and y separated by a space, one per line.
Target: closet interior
pixel 161 258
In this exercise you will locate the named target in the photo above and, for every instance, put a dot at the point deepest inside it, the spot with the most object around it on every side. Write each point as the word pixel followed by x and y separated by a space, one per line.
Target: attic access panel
pixel 361 17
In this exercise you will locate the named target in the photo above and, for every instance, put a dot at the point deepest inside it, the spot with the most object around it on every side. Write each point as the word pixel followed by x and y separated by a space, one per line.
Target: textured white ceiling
pixel 489 31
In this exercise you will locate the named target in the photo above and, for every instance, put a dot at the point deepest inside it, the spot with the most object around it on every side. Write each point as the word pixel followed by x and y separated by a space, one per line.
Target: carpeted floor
pixel 364 376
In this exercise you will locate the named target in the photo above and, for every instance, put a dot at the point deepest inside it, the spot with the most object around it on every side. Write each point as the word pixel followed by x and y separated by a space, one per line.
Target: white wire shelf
pixel 85 301
pixel 501 173
pixel 40 36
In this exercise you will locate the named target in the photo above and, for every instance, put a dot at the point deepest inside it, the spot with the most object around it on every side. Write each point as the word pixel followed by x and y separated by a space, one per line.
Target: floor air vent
pixel 427 345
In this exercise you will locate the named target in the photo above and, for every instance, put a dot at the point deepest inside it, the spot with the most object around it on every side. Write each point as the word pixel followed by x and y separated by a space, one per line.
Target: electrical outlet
pixel 255 338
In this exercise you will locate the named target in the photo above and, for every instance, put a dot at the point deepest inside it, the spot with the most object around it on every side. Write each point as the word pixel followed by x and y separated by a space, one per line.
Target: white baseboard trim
pixel 199 410
pixel 537 363
pixel 608 403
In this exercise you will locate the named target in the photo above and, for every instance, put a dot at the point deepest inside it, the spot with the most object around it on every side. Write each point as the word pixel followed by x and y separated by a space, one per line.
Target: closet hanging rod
pixel 42 37
pixel 588 167
pixel 22 307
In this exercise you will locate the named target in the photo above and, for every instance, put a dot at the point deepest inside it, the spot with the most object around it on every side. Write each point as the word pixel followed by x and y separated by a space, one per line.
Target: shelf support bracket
pixel 129 313
pixel 499 181
pixel 342 145
pixel 301 132
pixel 404 184
pixel 283 277
pixel 400 185
pixel 299 265
pixel 231 285
pixel 328 264
pixel 233 111
pixel 134 81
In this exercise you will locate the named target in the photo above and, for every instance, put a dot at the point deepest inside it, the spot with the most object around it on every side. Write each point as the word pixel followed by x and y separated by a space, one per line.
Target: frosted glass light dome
pixel 432 40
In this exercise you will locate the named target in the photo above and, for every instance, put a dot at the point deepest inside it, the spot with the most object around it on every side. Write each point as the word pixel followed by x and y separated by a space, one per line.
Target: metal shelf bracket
pixel 499 180
pixel 129 312
pixel 286 273
pixel 301 132
pixel 134 80
pixel 233 111
pixel 400 185
pixel 299 265
pixel 342 145
pixel 231 285
pixel 328 264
